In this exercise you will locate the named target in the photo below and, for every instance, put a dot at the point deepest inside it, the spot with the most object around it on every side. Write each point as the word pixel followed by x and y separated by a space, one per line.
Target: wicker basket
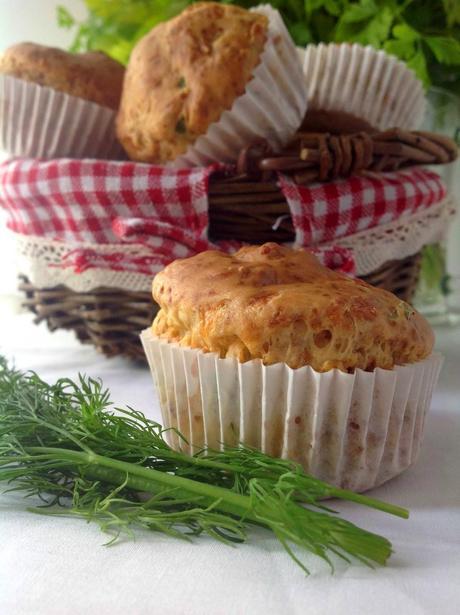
pixel 253 212
pixel 250 208
pixel 111 319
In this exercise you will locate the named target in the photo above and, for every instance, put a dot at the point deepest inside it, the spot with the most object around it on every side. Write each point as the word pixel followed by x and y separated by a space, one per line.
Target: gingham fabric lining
pixel 328 211
pixel 41 259
pixel 108 202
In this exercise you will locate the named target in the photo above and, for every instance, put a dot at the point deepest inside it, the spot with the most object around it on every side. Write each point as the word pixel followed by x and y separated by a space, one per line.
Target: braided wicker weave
pixel 251 207
pixel 324 157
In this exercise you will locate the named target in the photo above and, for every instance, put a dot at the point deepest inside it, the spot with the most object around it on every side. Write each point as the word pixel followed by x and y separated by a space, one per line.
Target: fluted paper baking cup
pixel 272 107
pixel 301 54
pixel 353 430
pixel 365 83
pixel 40 122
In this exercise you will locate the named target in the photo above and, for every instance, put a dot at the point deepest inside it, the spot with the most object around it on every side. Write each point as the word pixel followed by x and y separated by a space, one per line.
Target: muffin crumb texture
pixel 282 306
pixel 183 74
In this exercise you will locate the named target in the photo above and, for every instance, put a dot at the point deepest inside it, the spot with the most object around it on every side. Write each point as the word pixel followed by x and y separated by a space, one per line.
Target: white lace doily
pixel 399 239
pixel 40 260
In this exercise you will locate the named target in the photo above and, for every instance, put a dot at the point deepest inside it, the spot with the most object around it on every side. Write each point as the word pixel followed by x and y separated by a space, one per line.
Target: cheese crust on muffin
pixel 281 305
pixel 184 74
pixel 93 76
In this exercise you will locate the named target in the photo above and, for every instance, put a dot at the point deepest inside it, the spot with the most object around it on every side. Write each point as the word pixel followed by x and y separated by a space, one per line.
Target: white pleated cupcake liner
pixel 272 107
pixel 301 55
pixel 352 430
pixel 365 83
pixel 40 122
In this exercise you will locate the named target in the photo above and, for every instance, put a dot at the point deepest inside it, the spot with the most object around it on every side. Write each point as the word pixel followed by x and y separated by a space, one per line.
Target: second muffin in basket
pixel 55 104
pixel 269 348
pixel 203 85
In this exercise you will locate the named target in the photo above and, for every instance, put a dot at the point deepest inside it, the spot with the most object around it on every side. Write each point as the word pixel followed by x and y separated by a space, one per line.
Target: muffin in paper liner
pixel 272 107
pixel 363 84
pixel 40 122
pixel 353 430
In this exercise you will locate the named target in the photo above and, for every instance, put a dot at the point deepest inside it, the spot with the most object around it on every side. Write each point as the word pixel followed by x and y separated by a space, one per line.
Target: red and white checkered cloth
pixel 324 212
pixel 107 202
pixel 79 201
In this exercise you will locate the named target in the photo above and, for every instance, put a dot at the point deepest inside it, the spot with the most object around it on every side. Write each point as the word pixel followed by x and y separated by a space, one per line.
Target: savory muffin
pixel 184 74
pixel 281 305
pixel 93 76
pixel 270 349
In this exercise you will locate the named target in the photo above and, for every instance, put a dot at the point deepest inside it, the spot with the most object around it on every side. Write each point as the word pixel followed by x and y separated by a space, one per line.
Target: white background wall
pixel 35 20
pixel 27 20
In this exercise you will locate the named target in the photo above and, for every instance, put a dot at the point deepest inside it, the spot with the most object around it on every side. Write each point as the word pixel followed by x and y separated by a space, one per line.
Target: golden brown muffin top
pixel 281 305
pixel 184 74
pixel 92 76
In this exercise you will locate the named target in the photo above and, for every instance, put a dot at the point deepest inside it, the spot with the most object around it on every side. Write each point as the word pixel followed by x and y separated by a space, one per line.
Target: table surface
pixel 60 566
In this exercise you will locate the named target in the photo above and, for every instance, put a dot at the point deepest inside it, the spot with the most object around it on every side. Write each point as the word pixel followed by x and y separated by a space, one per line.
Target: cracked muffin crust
pixel 281 305
pixel 183 74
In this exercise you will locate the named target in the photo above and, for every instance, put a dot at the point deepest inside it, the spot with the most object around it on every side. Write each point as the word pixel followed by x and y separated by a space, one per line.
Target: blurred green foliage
pixel 423 33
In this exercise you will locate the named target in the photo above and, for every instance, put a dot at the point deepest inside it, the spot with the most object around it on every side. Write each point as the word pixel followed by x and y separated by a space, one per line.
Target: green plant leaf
pixel 333 7
pixel 64 18
pixel 296 8
pixel 445 49
pixel 404 32
pixel 356 13
pixel 433 266
pixel 301 33
pixel 403 50
pixel 323 27
pixel 418 64
pixel 313 5
pixel 452 10
pixel 373 31
pixel 120 51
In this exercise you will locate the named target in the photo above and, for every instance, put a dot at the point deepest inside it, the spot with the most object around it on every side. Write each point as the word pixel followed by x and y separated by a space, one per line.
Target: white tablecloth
pixel 59 566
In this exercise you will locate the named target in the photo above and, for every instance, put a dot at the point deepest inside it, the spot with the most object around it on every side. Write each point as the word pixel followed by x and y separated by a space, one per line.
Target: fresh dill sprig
pixel 64 444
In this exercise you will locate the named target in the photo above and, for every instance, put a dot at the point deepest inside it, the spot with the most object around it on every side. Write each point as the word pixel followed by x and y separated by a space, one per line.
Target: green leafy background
pixel 423 33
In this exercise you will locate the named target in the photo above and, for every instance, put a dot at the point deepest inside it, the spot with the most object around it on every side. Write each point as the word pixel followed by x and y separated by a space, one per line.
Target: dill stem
pixel 147 479
pixel 138 473
pixel 351 496
pixel 334 492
